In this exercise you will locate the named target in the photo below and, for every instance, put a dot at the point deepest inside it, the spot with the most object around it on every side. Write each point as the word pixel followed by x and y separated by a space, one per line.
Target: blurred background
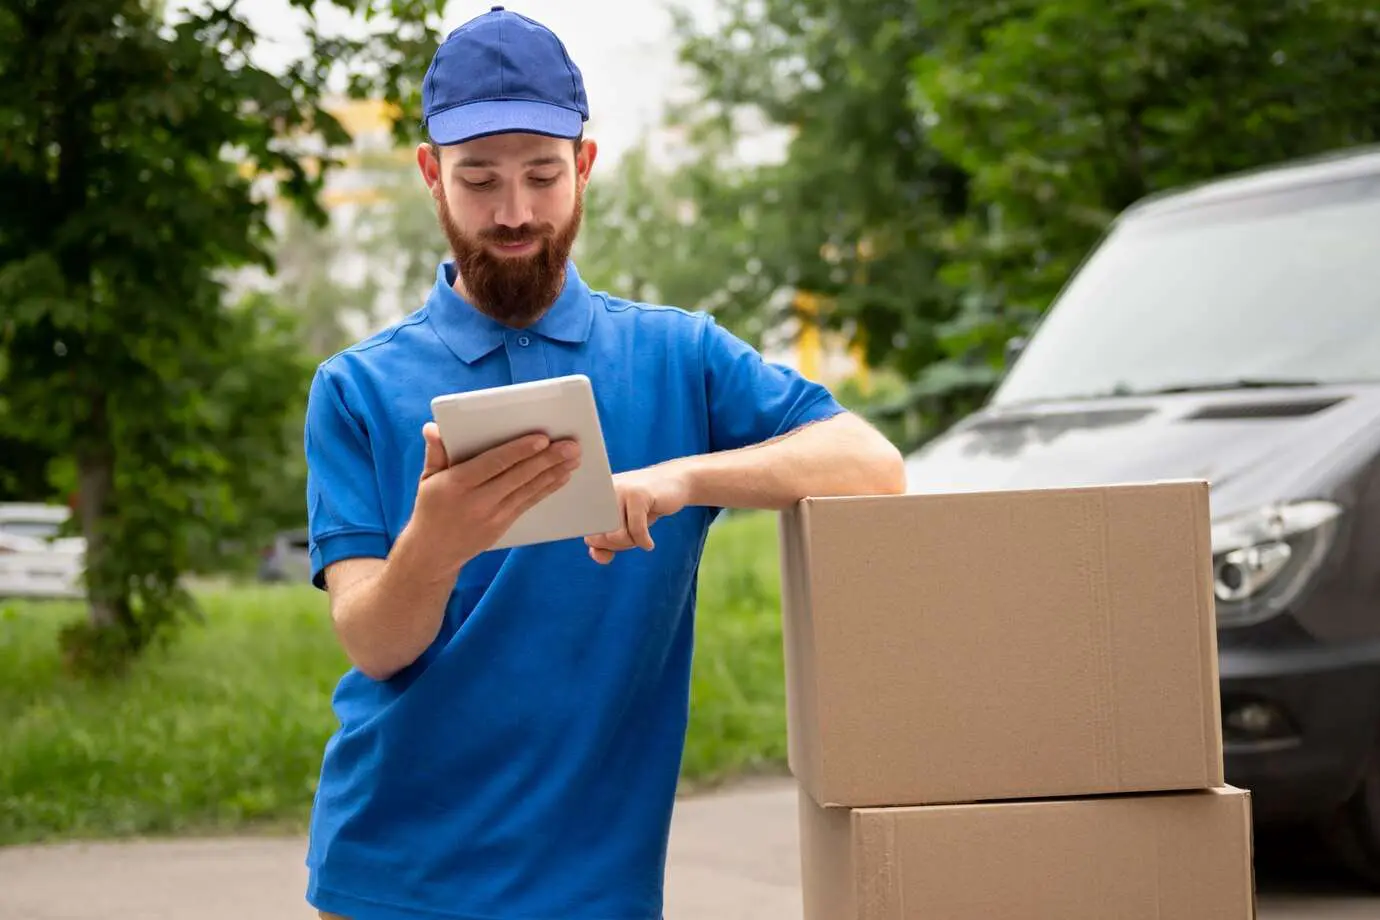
pixel 199 201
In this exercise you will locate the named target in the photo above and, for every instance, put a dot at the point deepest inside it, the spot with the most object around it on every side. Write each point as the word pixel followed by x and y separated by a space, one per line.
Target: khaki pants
pixel 325 916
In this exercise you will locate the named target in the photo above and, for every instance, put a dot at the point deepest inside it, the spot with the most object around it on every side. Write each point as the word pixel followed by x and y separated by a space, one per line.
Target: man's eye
pixel 479 186
pixel 544 180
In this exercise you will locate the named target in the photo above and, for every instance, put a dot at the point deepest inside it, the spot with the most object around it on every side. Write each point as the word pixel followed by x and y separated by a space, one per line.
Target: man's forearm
pixel 840 456
pixel 388 618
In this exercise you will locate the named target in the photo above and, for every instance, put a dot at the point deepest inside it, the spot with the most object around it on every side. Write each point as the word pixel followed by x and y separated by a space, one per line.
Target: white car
pixel 34 560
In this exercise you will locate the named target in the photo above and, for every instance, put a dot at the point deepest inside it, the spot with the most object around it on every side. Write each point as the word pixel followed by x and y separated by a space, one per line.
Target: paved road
pixel 733 857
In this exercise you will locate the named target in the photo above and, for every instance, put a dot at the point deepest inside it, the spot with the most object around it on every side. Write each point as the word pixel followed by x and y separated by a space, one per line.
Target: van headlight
pixel 1262 559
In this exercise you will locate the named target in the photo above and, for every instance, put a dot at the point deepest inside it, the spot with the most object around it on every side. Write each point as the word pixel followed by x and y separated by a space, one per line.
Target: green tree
pixel 1064 112
pixel 948 166
pixel 387 226
pixel 632 240
pixel 853 213
pixel 133 154
pixel 402 228
pixel 657 232
pixel 392 231
pixel 307 261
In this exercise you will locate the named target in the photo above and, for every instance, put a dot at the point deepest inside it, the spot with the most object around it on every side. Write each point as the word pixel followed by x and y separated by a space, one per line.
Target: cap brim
pixel 507 116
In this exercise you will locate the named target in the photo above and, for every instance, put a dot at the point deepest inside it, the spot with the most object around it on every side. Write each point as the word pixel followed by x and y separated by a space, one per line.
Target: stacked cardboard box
pixel 1005 705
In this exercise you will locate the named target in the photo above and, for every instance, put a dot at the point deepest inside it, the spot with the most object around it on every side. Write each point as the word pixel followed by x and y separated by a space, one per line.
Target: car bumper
pixel 1299 724
pixel 39 587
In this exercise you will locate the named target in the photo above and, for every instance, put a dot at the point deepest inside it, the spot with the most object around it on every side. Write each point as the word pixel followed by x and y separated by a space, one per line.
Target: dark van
pixel 1231 332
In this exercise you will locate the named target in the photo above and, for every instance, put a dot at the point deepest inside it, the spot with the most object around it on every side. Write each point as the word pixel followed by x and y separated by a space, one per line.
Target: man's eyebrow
pixel 477 163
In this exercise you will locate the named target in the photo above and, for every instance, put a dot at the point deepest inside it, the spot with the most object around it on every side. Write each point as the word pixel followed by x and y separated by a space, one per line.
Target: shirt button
pixel 524 341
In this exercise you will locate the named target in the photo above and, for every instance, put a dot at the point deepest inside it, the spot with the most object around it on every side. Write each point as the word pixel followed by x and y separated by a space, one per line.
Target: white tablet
pixel 561 408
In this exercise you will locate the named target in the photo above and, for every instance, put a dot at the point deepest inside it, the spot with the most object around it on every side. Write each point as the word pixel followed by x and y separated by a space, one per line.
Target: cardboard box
pixel 1001 645
pixel 1185 856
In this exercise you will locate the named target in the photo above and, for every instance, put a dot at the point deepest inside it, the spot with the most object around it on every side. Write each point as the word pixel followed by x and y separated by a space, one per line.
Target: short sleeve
pixel 344 509
pixel 751 399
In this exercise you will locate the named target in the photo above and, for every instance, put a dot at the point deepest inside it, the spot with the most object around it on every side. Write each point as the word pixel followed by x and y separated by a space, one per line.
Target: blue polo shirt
pixel 525 767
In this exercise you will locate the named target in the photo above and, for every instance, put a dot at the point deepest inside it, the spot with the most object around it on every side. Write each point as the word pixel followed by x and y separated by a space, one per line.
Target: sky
pixel 629 78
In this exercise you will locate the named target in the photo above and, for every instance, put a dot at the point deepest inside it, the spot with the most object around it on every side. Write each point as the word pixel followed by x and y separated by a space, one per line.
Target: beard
pixel 514 290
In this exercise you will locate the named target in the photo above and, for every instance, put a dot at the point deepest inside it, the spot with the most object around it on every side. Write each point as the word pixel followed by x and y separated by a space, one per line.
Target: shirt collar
pixel 472 334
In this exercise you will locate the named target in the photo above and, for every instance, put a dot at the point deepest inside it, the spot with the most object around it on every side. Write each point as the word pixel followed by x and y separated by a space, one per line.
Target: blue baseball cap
pixel 499 73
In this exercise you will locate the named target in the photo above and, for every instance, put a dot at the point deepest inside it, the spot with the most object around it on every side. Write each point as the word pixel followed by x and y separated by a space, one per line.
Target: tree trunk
pixel 109 601
pixel 107 596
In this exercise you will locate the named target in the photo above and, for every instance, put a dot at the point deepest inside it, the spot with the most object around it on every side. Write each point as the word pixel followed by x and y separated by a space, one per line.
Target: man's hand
pixel 645 496
pixel 464 509
pixel 386 613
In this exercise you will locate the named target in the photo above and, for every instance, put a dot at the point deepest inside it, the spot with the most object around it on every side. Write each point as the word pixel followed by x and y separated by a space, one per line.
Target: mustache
pixel 524 234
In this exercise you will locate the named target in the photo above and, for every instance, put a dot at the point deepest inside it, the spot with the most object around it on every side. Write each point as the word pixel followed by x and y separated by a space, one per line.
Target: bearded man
pixel 512 725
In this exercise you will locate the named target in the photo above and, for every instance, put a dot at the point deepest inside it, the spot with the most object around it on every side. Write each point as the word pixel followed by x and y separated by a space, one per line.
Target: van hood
pixel 1254 447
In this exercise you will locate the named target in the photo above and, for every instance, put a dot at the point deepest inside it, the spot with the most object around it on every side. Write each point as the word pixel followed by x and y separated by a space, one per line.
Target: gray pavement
pixel 733 857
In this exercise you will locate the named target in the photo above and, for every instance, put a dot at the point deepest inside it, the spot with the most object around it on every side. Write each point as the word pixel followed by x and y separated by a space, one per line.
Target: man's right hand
pixel 463 509
pixel 387 612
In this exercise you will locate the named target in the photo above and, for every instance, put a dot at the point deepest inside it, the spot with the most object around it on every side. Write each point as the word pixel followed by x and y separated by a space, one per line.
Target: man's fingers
pixel 635 522
pixel 527 494
pixel 601 556
pixel 503 458
pixel 435 460
pixel 519 475
pixel 636 529
pixel 614 540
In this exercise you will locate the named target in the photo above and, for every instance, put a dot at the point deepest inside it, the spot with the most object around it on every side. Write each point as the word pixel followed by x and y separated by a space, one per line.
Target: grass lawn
pixel 241 746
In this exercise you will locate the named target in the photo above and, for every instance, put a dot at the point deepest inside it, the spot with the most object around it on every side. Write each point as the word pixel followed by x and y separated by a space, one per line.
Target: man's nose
pixel 515 209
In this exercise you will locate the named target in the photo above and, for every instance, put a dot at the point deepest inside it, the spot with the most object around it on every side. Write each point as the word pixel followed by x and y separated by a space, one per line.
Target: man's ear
pixel 584 159
pixel 429 163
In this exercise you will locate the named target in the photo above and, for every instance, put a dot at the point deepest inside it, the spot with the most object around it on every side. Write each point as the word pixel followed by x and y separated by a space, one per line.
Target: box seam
pixel 1206 639
pixel 805 584
pixel 1107 762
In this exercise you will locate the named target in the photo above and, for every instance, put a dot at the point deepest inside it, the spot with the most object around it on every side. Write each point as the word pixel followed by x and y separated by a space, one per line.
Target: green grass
pixel 241 746
pixel 737 690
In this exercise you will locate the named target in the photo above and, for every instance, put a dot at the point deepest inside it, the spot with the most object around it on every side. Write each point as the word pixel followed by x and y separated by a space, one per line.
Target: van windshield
pixel 1275 287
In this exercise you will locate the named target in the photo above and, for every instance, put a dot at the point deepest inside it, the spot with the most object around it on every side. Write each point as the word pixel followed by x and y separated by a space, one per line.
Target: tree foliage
pixel 134 156
pixel 949 166
pixel 646 235
pixel 389 241
pixel 1065 113
pixel 842 215
pixel 852 215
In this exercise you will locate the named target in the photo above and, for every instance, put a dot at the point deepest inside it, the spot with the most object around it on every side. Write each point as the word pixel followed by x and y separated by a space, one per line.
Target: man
pixel 511 731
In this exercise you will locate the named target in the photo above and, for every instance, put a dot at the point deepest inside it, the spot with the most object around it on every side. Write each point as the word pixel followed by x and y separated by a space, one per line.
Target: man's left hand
pixel 645 496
